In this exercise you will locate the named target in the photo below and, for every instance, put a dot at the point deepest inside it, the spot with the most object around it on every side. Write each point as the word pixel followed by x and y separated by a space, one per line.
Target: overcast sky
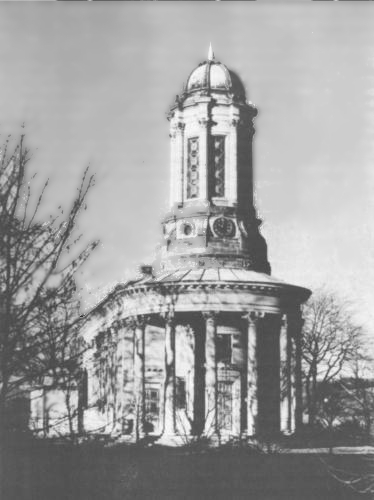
pixel 93 82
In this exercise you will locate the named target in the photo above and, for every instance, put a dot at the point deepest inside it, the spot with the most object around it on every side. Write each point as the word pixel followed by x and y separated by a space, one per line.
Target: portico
pixel 241 376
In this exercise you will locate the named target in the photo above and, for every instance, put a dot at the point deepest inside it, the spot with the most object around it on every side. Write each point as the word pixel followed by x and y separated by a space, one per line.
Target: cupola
pixel 212 75
pixel 212 220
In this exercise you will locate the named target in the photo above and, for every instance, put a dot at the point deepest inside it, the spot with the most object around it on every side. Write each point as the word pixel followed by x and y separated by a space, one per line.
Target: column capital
pixel 210 315
pixel 180 126
pixel 117 324
pixel 176 128
pixel 206 122
pixel 254 316
pixel 235 122
pixel 137 321
pixel 169 317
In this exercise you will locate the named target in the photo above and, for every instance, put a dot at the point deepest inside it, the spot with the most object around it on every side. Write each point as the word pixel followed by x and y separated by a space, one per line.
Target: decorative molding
pixel 193 167
pixel 217 166
pixel 251 129
pixel 274 290
pixel 175 128
pixel 205 122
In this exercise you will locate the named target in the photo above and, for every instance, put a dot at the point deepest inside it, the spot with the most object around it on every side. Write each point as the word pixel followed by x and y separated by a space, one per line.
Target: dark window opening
pixel 223 348
pixel 83 389
pixel 181 400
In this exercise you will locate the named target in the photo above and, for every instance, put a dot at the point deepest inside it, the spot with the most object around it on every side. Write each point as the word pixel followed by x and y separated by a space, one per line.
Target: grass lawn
pixel 57 472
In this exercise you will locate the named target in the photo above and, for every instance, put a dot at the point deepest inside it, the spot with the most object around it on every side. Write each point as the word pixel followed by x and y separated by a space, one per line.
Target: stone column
pixel 292 392
pixel 286 407
pixel 176 161
pixel 173 163
pixel 120 396
pixel 231 189
pixel 210 374
pixel 252 373
pixel 204 155
pixel 199 376
pixel 139 325
pixel 169 388
pixel 180 170
pixel 295 327
pixel 243 343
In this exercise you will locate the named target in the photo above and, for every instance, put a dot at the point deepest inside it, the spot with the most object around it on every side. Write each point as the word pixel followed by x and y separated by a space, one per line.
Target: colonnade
pixel 270 382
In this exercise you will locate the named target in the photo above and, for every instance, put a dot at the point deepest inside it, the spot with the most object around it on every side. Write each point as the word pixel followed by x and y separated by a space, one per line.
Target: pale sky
pixel 94 80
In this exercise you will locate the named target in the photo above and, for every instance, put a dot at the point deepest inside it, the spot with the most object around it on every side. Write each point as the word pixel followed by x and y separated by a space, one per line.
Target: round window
pixel 187 229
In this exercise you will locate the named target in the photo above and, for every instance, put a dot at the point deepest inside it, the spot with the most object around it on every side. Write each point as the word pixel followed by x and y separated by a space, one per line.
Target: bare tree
pixel 358 390
pixel 38 302
pixel 329 342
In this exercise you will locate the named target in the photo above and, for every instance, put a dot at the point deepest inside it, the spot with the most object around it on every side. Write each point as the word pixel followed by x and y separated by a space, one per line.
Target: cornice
pixel 268 289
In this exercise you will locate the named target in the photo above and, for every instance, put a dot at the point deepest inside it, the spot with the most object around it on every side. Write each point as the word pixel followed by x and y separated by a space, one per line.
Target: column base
pixel 172 440
pixel 138 438
pixel 250 434
pixel 125 438
pixel 213 439
pixel 287 432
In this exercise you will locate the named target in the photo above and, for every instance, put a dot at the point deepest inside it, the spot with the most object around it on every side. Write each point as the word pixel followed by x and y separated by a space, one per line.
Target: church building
pixel 205 342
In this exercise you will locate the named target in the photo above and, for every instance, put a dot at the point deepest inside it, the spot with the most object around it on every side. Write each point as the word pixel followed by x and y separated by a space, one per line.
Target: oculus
pixel 186 230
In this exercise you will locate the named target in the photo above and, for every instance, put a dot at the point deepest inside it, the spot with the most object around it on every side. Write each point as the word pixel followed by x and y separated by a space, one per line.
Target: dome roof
pixel 215 76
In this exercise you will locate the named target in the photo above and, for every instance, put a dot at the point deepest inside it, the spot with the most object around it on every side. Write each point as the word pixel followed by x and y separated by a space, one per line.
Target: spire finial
pixel 210 53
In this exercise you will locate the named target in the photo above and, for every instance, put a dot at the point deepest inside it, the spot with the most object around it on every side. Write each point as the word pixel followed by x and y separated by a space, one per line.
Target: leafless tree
pixel 39 308
pixel 358 390
pixel 336 375
pixel 329 342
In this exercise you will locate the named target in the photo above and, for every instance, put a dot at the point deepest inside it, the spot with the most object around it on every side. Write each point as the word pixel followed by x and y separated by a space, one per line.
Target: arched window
pixel 193 167
pixel 217 166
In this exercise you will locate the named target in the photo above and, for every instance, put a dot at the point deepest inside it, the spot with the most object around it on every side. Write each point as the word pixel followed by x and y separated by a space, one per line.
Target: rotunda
pixel 206 342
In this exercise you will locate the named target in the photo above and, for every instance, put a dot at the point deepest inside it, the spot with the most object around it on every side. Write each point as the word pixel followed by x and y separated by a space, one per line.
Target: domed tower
pixel 212 221
pixel 205 341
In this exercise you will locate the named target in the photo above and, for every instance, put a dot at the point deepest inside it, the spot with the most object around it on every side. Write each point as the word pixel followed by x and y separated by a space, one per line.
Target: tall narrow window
pixel 223 348
pixel 217 166
pixel 193 167
pixel 152 401
pixel 181 396
pixel 83 389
